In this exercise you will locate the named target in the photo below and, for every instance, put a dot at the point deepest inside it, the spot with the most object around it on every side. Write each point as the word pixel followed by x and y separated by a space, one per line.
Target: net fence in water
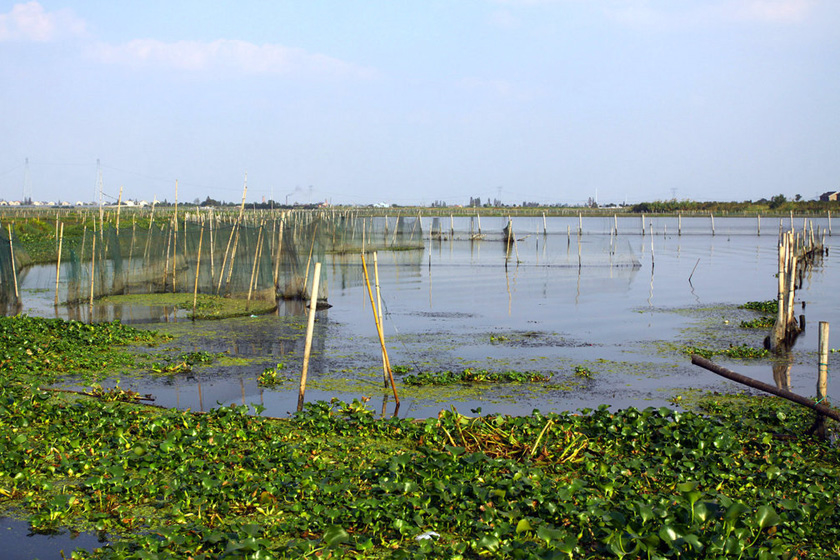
pixel 254 259
pixel 13 258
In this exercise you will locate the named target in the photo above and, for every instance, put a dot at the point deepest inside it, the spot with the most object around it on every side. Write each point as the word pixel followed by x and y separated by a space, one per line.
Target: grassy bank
pixel 739 481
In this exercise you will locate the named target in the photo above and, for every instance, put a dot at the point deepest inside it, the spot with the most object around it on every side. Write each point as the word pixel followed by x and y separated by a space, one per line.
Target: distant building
pixel 830 196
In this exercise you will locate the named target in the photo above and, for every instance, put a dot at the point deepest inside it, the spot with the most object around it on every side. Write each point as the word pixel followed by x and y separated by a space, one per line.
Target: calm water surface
pixel 617 304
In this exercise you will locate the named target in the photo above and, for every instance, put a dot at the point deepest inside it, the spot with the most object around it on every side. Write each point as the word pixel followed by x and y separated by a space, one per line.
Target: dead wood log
pixel 761 386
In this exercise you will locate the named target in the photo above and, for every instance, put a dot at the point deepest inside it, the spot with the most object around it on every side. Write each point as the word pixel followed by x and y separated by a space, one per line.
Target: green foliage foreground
pixel 335 481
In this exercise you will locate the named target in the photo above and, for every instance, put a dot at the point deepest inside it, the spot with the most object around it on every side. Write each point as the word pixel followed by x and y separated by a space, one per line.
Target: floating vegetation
pixel 770 307
pixel 48 348
pixel 183 363
pixel 742 352
pixel 401 369
pixel 335 481
pixel 583 371
pixel 207 306
pixel 765 322
pixel 115 394
pixel 271 377
pixel 470 375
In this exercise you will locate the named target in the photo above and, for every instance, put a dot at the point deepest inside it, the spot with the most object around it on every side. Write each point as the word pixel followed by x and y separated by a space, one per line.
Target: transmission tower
pixel 27 183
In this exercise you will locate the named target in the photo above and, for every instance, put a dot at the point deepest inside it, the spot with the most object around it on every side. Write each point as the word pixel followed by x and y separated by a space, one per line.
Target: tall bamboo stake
pixel 822 370
pixel 254 267
pixel 379 313
pixel 379 330
pixel 92 270
pixel 14 266
pixel 310 327
pixel 197 269
pixel 119 207
pixel 58 261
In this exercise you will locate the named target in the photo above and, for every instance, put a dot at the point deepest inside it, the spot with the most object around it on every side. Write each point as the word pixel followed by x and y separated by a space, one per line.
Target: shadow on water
pixel 18 543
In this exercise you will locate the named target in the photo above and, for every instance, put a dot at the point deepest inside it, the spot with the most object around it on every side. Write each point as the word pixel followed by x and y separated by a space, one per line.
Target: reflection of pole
pixel 310 327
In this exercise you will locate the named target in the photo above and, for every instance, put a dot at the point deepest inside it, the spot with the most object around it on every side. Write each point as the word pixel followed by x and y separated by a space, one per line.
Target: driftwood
pixel 761 386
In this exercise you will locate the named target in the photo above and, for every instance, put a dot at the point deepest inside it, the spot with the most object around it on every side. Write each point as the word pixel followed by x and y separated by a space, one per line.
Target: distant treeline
pixel 775 205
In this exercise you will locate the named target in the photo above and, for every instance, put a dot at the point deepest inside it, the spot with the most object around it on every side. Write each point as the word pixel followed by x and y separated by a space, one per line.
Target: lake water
pixel 619 305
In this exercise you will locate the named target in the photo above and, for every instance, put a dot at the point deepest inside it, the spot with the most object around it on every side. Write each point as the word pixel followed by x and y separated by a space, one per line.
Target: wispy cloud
pixel 226 54
pixel 499 88
pixel 30 22
pixel 667 13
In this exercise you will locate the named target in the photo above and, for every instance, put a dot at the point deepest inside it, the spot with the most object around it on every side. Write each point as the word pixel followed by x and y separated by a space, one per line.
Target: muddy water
pixel 618 305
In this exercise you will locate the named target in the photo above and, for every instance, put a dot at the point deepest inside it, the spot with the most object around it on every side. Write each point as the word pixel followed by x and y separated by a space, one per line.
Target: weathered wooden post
pixel 310 327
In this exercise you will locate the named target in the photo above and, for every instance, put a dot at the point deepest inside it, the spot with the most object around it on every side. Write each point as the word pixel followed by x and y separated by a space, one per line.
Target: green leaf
pixel 524 526
pixel 766 516
pixel 489 542
pixel 335 535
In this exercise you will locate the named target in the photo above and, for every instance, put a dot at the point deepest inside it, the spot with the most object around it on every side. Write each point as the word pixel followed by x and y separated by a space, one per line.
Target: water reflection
pixel 591 294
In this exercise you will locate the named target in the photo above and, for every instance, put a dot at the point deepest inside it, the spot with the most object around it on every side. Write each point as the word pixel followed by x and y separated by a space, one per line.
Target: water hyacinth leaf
pixel 645 512
pixel 489 542
pixel 694 541
pixel 685 487
pixel 734 511
pixel 669 534
pixel 766 516
pixel 335 535
pixel 549 535
pixel 773 472
pixel 523 526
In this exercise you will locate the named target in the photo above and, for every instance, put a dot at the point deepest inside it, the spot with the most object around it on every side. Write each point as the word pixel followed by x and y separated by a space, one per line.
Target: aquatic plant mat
pixel 735 482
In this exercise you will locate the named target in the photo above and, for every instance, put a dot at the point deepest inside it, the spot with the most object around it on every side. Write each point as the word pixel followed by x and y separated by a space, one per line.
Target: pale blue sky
pixel 551 101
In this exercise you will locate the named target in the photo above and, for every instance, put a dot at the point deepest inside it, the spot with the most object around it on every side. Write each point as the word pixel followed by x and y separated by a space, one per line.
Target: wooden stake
pixel 310 327
pixel 822 376
pixel 58 261
pixel 197 269
pixel 379 313
pixel 119 207
pixel 379 330
pixel 14 266
pixel 92 270
pixel 257 252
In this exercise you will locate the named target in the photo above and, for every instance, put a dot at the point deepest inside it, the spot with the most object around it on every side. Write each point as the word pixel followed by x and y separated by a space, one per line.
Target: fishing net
pixel 12 259
pixel 260 258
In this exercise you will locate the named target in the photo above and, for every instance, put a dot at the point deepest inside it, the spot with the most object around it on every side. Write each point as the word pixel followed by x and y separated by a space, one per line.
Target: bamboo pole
pixel 379 313
pixel 197 269
pixel 761 386
pixel 257 251
pixel 379 330
pixel 14 266
pixel 822 370
pixel 278 252
pixel 58 261
pixel 92 270
pixel 119 207
pixel 310 327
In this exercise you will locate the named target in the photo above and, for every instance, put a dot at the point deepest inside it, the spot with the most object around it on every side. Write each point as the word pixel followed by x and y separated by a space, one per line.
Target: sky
pixel 412 102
